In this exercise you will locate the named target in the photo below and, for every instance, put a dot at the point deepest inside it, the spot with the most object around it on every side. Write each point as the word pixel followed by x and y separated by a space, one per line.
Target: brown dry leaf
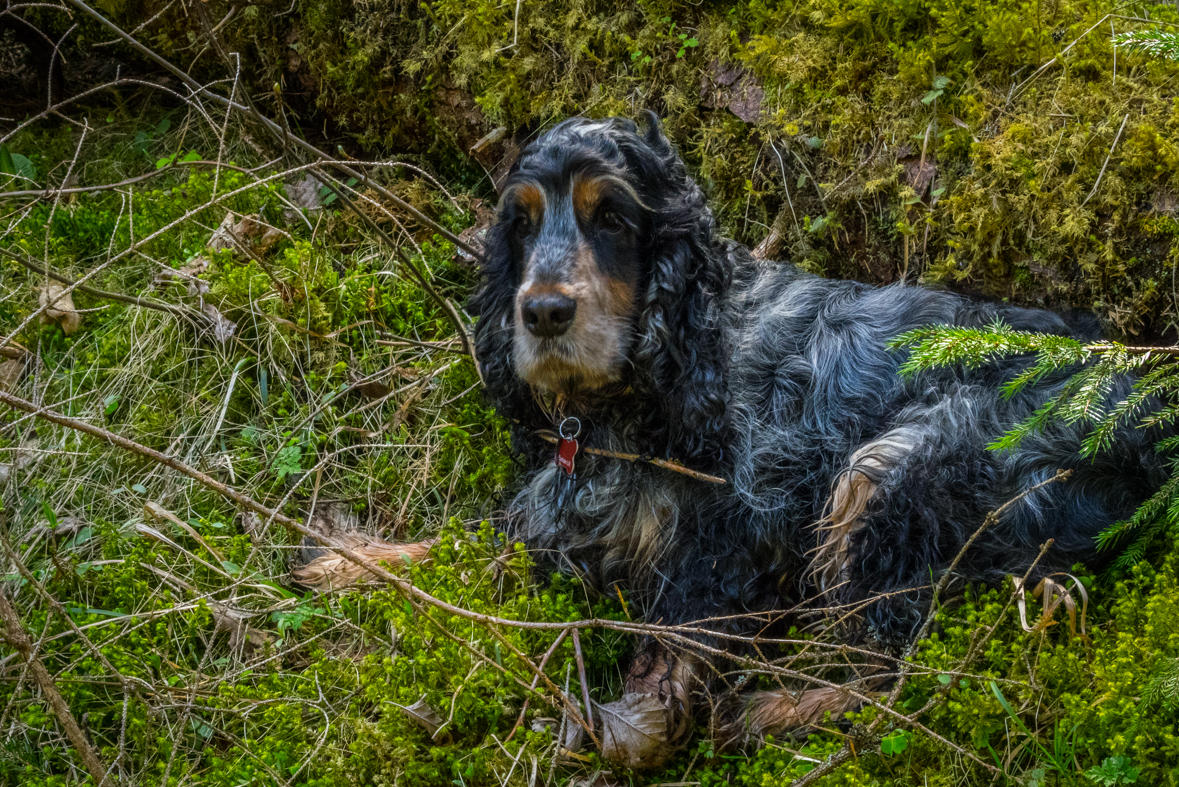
pixel 222 237
pixel 634 731
pixel 241 634
pixel 66 526
pixel 424 715
pixel 304 194
pixel 59 307
pixel 370 388
pixel 10 372
pixel 250 229
pixel 222 327
pixel 732 88
pixel 1052 595
pixel 251 524
pixel 919 174
pixel 262 235
pixel 188 274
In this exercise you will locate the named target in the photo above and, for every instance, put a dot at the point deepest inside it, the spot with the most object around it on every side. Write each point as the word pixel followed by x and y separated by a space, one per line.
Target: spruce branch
pixel 1155 42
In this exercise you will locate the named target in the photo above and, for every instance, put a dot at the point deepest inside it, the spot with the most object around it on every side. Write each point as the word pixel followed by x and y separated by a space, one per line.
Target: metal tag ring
pixel 569 424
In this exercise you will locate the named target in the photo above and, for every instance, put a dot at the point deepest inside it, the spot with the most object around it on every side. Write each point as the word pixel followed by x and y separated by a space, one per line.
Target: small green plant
pixel 288 462
pixel 1113 771
pixel 1061 756
pixel 937 88
pixel 895 742
pixel 16 166
pixel 1162 691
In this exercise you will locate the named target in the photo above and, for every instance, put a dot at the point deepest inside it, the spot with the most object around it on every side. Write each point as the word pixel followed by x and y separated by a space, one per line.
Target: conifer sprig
pixel 1088 375
pixel 1156 42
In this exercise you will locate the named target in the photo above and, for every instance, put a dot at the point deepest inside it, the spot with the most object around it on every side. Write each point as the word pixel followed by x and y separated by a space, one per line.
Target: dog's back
pixel 872 479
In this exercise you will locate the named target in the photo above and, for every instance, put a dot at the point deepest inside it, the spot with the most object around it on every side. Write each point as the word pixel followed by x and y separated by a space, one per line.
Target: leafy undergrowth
pixel 341 389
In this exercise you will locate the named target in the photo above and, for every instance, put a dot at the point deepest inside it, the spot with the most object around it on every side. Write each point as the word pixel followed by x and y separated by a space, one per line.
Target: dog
pixel 733 439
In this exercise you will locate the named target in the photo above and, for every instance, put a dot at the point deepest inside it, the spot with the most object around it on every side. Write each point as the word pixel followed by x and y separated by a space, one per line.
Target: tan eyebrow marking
pixel 588 192
pixel 528 196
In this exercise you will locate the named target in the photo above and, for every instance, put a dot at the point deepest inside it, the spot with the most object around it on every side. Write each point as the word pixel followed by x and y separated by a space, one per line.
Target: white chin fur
pixel 566 364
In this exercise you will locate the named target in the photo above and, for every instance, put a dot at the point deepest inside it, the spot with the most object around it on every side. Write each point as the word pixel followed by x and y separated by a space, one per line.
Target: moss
pixel 856 93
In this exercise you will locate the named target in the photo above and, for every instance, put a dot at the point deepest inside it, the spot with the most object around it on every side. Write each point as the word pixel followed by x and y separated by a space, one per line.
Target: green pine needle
pixel 1156 42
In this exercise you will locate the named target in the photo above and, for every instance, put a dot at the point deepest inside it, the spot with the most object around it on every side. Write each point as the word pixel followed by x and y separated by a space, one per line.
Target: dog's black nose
pixel 549 315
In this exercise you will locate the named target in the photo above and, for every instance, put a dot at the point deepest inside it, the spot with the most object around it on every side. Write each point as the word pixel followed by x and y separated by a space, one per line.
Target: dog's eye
pixel 522 228
pixel 611 221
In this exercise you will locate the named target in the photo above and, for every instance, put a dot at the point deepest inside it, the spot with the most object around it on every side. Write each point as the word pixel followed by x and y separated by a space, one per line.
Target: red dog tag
pixel 566 453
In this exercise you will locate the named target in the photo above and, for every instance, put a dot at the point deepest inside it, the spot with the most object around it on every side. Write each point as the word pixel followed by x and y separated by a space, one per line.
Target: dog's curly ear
pixel 654 136
pixel 680 348
pixel 493 303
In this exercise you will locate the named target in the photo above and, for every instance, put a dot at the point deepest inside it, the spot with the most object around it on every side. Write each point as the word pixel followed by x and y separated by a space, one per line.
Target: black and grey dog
pixel 612 312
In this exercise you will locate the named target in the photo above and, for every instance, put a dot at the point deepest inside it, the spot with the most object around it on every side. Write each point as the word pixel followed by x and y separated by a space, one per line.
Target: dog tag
pixel 567 455
pixel 566 461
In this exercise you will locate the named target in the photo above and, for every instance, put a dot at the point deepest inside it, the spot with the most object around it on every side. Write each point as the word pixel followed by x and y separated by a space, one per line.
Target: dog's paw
pixel 739 721
pixel 325 570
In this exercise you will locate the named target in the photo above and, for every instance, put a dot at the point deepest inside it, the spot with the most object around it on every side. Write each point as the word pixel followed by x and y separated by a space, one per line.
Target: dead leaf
pixel 249 229
pixel 1052 595
pixel 66 526
pixel 251 524
pixel 222 237
pixel 634 731
pixel 543 724
pixel 10 372
pixel 304 194
pixel 188 275
pixel 260 234
pixel 223 327
pixel 59 307
pixel 367 386
pixel 919 174
pixel 241 634
pixel 732 88
pixel 424 715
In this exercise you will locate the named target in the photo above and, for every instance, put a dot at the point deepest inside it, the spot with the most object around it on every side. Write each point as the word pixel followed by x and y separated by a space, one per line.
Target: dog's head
pixel 602 272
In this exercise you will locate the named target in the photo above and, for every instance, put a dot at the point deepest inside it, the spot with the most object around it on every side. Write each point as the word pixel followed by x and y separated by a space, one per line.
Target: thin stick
pixel 14 634
pixel 1108 156
pixel 664 463
pixel 109 296
pixel 589 714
